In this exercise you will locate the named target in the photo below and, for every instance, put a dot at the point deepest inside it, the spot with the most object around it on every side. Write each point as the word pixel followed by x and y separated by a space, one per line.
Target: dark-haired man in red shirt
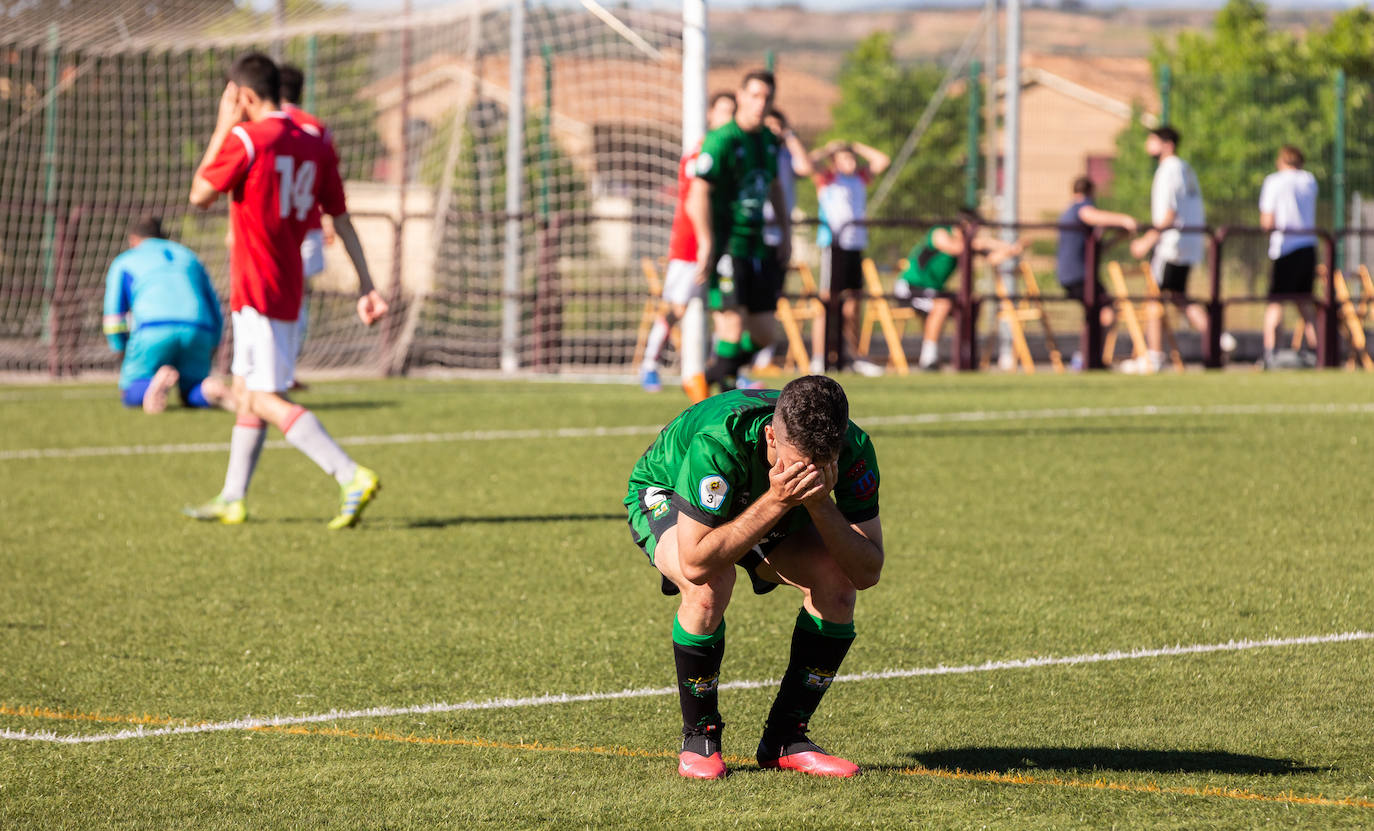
pixel 274 174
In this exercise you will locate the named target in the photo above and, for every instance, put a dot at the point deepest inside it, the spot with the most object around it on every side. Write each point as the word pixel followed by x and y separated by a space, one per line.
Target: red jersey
pixel 316 128
pixel 682 245
pixel 274 172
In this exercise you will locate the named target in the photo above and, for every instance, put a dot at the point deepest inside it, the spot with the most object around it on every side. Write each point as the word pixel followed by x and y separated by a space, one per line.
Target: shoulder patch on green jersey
pixel 712 492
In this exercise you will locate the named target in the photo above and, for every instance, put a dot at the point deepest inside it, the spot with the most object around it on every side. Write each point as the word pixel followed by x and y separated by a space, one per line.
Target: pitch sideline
pixel 251 723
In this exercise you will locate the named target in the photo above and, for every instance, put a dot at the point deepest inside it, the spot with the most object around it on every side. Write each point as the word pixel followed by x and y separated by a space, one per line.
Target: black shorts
pixel 653 513
pixel 1076 291
pixel 752 282
pixel 1175 277
pixel 846 269
pixel 1294 272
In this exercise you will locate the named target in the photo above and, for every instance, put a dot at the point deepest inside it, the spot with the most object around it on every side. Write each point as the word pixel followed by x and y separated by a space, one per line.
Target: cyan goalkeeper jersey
pixel 158 283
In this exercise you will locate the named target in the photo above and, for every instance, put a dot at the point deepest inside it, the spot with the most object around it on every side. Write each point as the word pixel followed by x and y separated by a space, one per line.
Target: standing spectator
pixel 1175 202
pixel 930 265
pixel 680 277
pixel 842 190
pixel 1288 208
pixel 793 162
pixel 1075 227
pixel 163 314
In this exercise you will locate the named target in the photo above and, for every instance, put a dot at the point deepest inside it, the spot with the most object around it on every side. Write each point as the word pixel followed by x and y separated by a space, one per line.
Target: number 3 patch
pixel 712 492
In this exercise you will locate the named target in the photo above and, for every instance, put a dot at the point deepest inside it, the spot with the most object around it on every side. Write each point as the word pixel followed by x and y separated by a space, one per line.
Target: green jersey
pixel 741 168
pixel 711 462
pixel 927 266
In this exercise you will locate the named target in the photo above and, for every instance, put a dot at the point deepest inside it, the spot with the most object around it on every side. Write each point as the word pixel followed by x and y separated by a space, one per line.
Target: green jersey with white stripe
pixel 741 167
pixel 712 463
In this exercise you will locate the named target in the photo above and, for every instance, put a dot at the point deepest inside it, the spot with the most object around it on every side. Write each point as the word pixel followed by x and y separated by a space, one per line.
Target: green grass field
pixel 1067 520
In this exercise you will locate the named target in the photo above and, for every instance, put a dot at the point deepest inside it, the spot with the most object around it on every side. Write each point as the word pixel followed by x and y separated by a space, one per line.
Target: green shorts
pixel 925 281
pixel 651 515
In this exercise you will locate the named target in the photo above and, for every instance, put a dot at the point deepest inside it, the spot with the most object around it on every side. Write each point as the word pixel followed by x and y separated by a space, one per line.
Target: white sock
pixel 245 446
pixel 654 346
pixel 930 352
pixel 1156 359
pixel 307 434
pixel 765 356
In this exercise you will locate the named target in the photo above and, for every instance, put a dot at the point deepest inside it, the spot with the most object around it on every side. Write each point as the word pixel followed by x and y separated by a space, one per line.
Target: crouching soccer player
pixel 746 479
pixel 163 314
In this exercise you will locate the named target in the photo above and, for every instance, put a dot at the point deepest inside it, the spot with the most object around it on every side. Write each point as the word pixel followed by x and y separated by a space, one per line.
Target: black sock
pixel 818 649
pixel 698 660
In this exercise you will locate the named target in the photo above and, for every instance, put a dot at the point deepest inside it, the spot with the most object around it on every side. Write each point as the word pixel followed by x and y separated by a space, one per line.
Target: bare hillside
pixel 817 41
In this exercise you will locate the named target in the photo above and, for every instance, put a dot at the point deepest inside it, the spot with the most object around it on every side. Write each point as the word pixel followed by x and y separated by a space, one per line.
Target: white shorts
pixel 312 253
pixel 264 351
pixel 680 282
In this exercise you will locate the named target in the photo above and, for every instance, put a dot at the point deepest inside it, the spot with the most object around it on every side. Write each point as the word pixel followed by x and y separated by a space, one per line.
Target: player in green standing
pixel 736 175
pixel 785 486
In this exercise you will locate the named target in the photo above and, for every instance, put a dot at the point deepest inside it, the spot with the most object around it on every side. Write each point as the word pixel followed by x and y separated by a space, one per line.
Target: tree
pixel 1243 90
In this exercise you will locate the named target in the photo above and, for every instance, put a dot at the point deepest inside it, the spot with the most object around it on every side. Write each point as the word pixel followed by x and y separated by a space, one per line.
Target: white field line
pixel 251 723
pixel 970 417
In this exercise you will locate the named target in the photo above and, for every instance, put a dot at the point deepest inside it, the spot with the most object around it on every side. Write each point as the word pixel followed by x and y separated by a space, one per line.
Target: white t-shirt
pixel 842 200
pixel 1291 196
pixel 1175 189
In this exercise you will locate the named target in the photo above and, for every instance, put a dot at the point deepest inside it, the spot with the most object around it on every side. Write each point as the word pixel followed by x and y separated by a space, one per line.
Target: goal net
pixel 105 107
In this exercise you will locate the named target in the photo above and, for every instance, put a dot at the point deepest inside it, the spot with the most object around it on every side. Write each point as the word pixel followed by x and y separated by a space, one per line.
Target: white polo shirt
pixel 1175 188
pixel 1291 196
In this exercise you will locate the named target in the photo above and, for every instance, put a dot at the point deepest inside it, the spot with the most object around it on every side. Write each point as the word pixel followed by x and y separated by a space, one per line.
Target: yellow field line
pixel 1288 798
pixel 23 711
pixel 738 761
pixel 383 736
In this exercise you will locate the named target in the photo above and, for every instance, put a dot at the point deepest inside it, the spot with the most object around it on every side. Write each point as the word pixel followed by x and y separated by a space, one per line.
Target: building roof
pixel 1123 82
pixel 594 90
pixel 806 99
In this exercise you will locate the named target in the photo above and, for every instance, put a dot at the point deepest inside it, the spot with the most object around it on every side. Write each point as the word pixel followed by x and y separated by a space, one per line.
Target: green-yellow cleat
pixel 356 496
pixel 219 509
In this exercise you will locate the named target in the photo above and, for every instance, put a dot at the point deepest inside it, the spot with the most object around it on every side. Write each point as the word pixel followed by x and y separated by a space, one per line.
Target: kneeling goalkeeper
pixel 746 479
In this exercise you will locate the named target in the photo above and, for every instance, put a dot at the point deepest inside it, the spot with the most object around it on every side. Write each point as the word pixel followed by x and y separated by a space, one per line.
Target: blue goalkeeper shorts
pixel 190 349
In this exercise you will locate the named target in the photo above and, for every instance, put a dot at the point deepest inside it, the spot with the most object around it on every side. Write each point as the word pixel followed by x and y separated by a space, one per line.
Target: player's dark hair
pixel 969 213
pixel 1083 186
pixel 1291 156
pixel 777 113
pixel 716 96
pixel 815 415
pixel 148 227
pixel 1165 132
pixel 760 75
pixel 259 73
pixel 292 83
